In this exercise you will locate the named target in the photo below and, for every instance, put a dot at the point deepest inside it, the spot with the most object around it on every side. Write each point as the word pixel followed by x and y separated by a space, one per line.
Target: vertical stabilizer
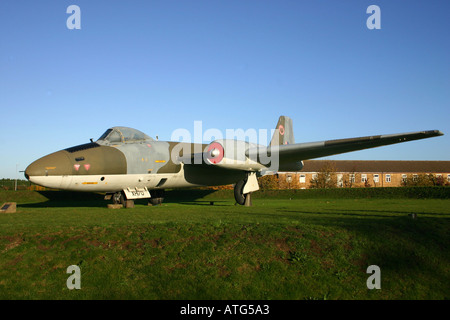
pixel 284 132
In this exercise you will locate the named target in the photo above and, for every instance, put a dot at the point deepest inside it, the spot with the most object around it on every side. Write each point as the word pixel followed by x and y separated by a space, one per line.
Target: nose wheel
pixel 119 198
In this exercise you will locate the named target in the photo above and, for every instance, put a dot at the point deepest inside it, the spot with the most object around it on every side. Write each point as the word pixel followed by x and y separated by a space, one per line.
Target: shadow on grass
pixel 65 199
pixel 201 203
pixel 373 213
pixel 381 212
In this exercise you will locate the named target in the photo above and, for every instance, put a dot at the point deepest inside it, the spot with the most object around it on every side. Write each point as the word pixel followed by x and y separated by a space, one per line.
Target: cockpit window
pixel 103 136
pixel 114 136
pixel 123 134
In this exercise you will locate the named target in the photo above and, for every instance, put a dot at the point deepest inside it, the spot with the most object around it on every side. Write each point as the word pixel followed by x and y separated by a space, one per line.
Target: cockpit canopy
pixel 123 135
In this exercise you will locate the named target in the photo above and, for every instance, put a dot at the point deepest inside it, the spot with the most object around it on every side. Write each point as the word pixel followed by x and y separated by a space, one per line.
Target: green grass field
pixel 189 249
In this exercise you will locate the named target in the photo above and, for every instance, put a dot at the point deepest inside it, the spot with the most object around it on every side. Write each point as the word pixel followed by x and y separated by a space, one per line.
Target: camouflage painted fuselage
pixel 124 158
pixel 111 166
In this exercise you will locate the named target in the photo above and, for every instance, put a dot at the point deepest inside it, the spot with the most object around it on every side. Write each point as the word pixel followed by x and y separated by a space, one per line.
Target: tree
pixel 326 177
pixel 268 182
pixel 348 183
pixel 423 180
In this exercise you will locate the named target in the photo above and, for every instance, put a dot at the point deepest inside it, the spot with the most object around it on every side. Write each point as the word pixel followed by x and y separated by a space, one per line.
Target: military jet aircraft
pixel 126 164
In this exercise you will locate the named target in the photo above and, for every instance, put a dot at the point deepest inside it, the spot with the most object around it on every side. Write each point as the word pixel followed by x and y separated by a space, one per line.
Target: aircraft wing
pixel 289 153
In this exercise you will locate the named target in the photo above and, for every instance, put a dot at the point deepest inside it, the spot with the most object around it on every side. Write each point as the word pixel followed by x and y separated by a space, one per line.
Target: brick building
pixel 358 173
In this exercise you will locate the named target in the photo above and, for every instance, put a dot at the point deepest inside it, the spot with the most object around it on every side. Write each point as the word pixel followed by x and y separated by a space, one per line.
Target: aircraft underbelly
pixel 65 182
pixel 113 183
pixel 117 182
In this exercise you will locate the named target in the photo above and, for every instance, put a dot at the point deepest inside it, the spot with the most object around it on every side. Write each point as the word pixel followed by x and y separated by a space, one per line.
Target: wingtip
pixel 434 133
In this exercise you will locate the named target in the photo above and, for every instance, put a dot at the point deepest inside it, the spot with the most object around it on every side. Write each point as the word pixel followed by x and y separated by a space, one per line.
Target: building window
pixel 404 177
pixel 340 180
pixel 363 177
pixel 376 178
pixel 314 176
pixel 388 178
pixel 415 177
pixel 448 177
pixel 289 180
pixel 351 177
pixel 302 178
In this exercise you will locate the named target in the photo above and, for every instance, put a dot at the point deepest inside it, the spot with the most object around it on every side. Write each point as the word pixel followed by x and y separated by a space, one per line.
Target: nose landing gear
pixel 119 198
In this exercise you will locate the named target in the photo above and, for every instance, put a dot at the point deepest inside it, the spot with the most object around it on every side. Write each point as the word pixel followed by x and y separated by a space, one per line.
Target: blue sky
pixel 161 65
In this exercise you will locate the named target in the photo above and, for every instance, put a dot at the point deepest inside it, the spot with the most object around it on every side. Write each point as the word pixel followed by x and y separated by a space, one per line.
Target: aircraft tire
pixel 155 201
pixel 119 198
pixel 238 195
pixel 157 197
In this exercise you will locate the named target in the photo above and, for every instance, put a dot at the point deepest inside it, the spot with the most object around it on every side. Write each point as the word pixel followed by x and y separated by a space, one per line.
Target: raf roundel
pixel 215 153
pixel 281 128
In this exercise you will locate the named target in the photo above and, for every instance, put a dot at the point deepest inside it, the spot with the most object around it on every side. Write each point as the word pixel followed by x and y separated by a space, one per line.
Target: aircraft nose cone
pixel 54 164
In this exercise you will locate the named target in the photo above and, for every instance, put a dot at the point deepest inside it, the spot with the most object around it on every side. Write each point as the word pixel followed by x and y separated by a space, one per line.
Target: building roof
pixel 379 166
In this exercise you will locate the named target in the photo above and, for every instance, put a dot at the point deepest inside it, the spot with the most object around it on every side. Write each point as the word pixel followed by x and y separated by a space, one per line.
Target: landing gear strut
pixel 119 198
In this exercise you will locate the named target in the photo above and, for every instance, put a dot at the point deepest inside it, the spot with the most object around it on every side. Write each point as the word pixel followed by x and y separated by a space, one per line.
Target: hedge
pixel 334 193
pixel 350 193
pixel 27 196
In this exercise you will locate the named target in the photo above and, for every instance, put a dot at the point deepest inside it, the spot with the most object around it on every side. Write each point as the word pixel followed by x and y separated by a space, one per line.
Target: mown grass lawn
pixel 276 249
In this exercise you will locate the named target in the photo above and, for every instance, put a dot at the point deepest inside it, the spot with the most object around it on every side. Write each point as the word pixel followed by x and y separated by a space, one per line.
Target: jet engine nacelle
pixel 227 153
pixel 291 166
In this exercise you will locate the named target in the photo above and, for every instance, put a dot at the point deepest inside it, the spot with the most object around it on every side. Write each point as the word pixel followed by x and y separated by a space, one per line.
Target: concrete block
pixel 8 207
pixel 129 204
pixel 115 206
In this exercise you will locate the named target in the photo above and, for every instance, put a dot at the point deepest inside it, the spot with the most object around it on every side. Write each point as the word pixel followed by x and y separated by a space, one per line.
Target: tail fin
pixel 284 132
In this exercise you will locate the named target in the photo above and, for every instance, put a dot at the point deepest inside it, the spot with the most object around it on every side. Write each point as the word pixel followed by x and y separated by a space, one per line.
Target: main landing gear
pixel 244 188
pixel 157 197
pixel 120 198
pixel 239 195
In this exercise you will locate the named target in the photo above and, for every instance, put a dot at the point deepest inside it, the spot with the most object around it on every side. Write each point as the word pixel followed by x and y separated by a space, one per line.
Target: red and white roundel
pixel 215 153
pixel 281 128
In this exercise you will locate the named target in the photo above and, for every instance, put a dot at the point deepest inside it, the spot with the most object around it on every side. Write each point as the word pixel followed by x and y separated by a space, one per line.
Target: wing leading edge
pixel 304 151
